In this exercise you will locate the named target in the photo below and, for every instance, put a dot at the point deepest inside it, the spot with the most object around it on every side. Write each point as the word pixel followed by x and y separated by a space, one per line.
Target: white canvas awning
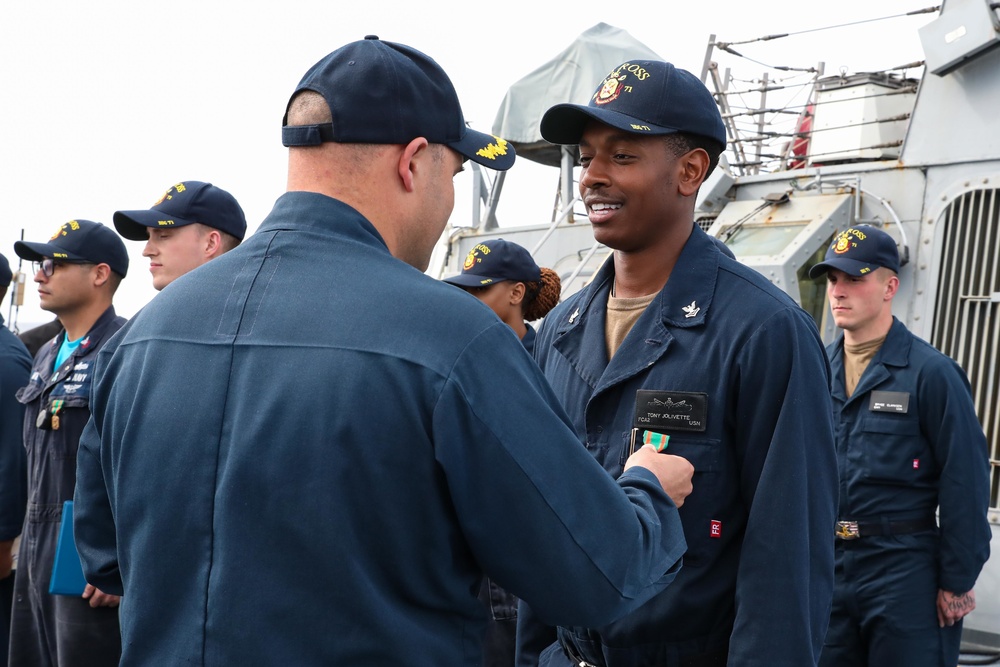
pixel 572 76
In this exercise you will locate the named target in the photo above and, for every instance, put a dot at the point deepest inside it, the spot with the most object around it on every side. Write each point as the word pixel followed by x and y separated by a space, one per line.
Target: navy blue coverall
pixel 306 452
pixel 15 368
pixel 736 376
pixel 501 606
pixel 908 443
pixel 57 630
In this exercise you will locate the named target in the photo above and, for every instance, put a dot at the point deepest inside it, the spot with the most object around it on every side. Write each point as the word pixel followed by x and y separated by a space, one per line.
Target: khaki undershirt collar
pixel 856 360
pixel 622 314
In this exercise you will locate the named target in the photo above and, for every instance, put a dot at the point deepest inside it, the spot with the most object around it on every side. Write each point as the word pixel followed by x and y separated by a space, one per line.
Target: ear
pixel 517 292
pixel 408 161
pixel 891 287
pixel 213 243
pixel 692 168
pixel 101 274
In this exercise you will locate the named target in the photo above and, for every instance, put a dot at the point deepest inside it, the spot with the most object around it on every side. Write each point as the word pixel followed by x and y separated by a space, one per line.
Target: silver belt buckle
pixel 847 530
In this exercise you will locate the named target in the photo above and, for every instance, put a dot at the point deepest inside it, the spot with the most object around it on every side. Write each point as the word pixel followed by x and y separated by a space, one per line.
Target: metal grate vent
pixel 705 223
pixel 967 317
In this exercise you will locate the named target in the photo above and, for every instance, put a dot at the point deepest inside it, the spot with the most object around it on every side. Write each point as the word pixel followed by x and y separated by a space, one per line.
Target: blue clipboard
pixel 67 572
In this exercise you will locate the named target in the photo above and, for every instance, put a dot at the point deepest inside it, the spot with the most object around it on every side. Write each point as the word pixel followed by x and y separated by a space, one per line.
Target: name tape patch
pixel 889 401
pixel 666 411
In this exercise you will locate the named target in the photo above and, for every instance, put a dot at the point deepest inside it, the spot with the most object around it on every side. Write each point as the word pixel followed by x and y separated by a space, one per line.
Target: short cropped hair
pixel 226 240
pixel 308 108
pixel 680 143
pixel 114 280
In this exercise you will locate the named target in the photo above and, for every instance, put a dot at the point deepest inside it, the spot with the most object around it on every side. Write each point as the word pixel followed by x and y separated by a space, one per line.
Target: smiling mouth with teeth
pixel 605 207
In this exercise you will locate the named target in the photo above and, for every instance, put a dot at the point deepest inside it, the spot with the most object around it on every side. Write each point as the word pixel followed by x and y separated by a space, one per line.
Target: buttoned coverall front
pixel 908 444
pixel 747 364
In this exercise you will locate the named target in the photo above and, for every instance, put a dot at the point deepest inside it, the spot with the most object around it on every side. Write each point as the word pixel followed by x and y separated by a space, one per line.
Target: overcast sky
pixel 107 104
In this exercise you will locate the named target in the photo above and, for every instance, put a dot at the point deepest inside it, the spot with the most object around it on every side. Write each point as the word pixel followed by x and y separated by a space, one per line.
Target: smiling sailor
pixel 677 345
pixel 340 438
pixel 908 443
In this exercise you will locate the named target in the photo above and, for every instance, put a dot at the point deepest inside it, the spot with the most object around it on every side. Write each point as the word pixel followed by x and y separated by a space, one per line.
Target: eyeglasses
pixel 48 265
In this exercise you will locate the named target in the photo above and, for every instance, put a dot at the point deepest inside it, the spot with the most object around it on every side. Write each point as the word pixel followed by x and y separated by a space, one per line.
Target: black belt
pixel 852 530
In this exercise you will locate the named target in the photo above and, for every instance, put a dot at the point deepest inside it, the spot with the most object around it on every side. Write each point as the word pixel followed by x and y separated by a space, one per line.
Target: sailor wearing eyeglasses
pixel 77 272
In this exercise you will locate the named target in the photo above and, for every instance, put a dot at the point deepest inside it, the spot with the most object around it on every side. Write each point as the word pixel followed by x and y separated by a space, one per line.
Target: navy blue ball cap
pixel 494 261
pixel 184 204
pixel 6 275
pixel 79 241
pixel 387 93
pixel 641 97
pixel 857 251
